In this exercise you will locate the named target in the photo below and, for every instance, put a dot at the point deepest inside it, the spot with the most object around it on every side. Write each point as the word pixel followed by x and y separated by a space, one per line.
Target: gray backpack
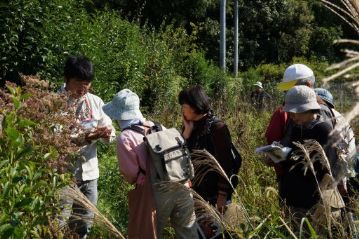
pixel 170 156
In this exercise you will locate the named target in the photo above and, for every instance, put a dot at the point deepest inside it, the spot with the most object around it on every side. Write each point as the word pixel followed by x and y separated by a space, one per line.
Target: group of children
pixel 305 114
pixel 309 114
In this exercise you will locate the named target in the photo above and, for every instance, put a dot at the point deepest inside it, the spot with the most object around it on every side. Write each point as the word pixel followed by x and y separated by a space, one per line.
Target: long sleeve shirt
pixel 89 167
pixel 218 143
pixel 276 131
pixel 299 188
pixel 90 115
pixel 276 127
pixel 132 155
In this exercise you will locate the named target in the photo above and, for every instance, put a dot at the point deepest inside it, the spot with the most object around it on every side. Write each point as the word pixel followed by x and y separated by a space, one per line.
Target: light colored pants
pixel 177 205
pixel 80 219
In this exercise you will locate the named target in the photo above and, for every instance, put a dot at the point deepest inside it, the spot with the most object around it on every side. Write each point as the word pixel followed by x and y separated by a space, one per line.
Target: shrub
pixel 20 48
pixel 34 154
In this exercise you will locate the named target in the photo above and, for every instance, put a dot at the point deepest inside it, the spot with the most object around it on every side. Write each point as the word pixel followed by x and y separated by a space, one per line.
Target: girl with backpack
pixel 149 206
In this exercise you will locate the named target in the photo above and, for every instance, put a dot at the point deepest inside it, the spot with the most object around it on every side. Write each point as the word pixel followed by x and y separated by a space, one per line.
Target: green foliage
pixel 154 64
pixel 156 11
pixel 295 37
pixel 20 28
pixel 312 232
pixel 270 75
pixel 270 31
pixel 199 71
pixel 28 184
pixel 321 42
pixel 113 191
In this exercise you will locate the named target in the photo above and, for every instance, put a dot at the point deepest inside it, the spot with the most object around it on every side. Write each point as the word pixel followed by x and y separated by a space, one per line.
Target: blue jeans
pixel 80 219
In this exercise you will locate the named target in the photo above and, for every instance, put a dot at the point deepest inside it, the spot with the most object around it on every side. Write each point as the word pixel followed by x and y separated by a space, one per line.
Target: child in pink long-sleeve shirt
pixel 135 166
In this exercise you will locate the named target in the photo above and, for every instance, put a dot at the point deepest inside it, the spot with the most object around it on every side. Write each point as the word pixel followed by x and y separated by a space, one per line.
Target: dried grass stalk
pixel 288 228
pixel 345 14
pixel 322 215
pixel 356 42
pixel 348 10
pixel 202 207
pixel 207 212
pixel 340 73
pixel 203 163
pixel 81 199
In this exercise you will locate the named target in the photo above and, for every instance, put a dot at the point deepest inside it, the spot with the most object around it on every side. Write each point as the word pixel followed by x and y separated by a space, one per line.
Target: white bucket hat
pixel 294 73
pixel 259 84
pixel 125 105
pixel 300 99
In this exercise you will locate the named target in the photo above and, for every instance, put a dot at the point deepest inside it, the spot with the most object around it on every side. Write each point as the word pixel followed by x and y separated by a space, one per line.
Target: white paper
pixel 274 151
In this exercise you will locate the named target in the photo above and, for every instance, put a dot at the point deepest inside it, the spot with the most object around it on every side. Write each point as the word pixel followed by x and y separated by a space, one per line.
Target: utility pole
pixel 222 43
pixel 235 57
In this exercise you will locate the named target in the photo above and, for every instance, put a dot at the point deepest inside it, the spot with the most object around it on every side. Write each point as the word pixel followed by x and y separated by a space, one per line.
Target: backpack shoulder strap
pixel 327 113
pixel 334 119
pixel 212 121
pixel 137 128
pixel 156 127
pixel 236 156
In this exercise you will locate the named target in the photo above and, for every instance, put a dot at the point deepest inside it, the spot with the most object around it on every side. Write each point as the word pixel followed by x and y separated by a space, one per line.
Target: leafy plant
pixel 33 158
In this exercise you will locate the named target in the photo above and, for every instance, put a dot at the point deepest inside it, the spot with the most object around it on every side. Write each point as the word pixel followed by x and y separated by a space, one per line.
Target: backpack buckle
pixel 158 147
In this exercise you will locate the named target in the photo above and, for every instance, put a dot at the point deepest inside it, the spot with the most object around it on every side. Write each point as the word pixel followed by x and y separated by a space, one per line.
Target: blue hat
pixel 325 95
pixel 125 105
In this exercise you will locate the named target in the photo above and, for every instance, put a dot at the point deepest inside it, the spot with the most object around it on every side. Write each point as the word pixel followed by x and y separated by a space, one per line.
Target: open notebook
pixel 275 151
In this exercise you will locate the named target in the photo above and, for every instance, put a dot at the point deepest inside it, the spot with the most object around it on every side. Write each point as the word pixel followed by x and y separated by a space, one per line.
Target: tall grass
pixel 75 194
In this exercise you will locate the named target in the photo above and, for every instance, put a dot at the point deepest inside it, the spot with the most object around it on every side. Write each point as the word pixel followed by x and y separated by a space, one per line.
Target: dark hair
pixel 79 67
pixel 315 111
pixel 195 97
pixel 321 101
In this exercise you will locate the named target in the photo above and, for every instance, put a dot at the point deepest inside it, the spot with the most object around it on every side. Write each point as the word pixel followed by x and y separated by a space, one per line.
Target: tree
pixel 271 31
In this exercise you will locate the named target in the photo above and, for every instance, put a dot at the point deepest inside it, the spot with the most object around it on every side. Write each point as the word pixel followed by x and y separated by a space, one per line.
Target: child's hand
pixel 104 132
pixel 221 202
pixel 268 161
pixel 100 132
pixel 188 127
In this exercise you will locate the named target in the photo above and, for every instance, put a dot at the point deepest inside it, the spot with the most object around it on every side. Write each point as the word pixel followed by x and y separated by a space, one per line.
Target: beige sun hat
pixel 299 99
